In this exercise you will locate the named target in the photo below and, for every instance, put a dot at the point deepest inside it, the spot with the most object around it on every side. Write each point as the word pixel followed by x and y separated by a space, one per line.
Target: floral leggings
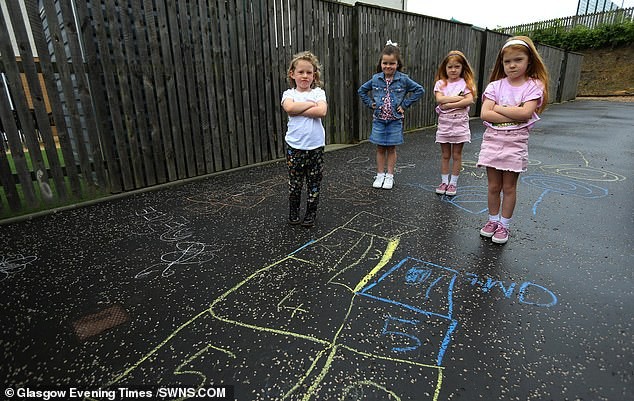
pixel 308 164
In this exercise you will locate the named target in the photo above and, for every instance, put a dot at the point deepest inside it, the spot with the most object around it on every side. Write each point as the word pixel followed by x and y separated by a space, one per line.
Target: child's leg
pixel 509 190
pixel 391 159
pixel 445 156
pixel 295 183
pixel 380 159
pixel 456 154
pixel 494 184
pixel 314 174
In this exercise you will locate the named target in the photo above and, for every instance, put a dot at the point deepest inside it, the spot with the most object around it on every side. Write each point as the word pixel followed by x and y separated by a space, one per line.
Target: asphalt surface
pixel 392 295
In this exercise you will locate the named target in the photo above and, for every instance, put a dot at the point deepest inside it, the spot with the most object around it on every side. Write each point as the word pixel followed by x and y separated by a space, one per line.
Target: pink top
pixel 504 94
pixel 457 88
pixel 386 108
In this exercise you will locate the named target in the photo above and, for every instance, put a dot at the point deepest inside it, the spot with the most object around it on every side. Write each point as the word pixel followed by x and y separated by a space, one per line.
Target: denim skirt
pixel 387 132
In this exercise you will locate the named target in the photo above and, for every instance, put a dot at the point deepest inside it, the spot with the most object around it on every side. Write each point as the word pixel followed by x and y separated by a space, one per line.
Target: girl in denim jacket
pixel 389 87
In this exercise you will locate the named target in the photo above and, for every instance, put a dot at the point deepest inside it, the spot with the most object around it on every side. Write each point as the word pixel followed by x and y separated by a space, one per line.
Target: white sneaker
pixel 378 180
pixel 388 182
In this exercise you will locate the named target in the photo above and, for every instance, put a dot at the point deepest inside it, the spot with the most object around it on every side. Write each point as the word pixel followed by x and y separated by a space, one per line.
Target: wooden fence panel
pixel 570 76
pixel 143 21
pixel 94 73
pixel 36 96
pixel 26 129
pixel 137 113
pixel 213 152
pixel 111 101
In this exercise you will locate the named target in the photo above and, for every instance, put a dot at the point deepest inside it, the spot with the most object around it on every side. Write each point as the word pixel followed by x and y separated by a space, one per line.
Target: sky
pixel 499 13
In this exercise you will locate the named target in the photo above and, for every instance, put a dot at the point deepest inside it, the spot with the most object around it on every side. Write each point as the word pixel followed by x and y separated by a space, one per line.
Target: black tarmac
pixel 392 295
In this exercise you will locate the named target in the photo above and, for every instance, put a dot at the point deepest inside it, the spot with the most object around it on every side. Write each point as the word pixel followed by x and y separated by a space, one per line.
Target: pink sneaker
pixel 489 228
pixel 442 189
pixel 501 235
pixel 451 190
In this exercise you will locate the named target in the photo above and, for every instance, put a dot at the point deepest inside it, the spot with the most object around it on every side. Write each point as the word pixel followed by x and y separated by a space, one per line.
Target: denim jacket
pixel 399 88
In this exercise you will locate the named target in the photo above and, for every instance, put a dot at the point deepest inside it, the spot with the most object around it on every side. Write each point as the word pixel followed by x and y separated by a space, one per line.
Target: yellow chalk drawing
pixel 351 260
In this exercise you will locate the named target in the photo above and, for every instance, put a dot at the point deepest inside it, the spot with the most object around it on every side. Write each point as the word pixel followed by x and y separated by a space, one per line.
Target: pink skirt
pixel 504 150
pixel 453 127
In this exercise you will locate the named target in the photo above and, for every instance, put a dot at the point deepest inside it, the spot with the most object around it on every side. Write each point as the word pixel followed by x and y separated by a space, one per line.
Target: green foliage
pixel 581 37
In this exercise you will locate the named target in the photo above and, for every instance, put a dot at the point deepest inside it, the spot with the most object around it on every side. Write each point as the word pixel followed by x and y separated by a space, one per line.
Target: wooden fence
pixel 145 92
pixel 588 20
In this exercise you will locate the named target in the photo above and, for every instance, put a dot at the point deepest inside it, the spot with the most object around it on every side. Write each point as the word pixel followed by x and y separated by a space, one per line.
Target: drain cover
pixel 96 323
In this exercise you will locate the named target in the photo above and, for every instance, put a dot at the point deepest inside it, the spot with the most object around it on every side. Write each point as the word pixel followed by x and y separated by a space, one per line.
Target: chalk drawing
pixel 343 304
pixel 358 160
pixel 563 186
pixel 470 199
pixel 564 179
pixel 188 253
pixel 45 189
pixel 242 196
pixel 354 190
pixel 585 172
pixel 11 264
pixel 172 229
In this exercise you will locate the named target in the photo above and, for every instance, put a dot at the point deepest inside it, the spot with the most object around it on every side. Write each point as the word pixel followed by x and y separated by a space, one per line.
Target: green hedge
pixel 581 37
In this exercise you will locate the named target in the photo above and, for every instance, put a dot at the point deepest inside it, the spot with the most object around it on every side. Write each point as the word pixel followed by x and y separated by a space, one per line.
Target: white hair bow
pixel 390 43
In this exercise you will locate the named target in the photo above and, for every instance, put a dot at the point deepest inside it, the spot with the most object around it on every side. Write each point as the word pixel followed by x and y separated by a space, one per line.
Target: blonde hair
pixel 466 74
pixel 311 58
pixel 536 67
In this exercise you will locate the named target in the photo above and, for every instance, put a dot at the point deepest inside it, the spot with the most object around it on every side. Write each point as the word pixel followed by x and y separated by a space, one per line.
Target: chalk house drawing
pixel 336 319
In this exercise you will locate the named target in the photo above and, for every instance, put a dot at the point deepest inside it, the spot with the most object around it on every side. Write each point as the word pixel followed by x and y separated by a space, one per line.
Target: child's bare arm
pixel 488 114
pixel 523 112
pixel 294 108
pixel 319 110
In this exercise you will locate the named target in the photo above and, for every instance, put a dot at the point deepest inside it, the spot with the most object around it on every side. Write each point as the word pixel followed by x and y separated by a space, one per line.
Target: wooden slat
pixel 190 114
pixel 173 146
pixel 236 109
pixel 90 130
pixel 145 75
pixel 99 102
pixel 213 142
pixel 272 96
pixel 121 74
pixel 114 103
pixel 244 104
pixel 218 58
pixel 254 39
pixel 182 132
pixel 200 35
pixel 138 121
pixel 227 81
pixel 156 95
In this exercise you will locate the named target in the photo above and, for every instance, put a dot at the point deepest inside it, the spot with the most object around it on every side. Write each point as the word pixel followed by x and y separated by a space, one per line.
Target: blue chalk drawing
pixel 430 294
pixel 471 199
pixel 564 186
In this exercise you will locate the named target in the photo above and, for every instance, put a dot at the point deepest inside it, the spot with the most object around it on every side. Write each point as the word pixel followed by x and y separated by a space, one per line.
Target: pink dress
pixel 453 124
pixel 505 145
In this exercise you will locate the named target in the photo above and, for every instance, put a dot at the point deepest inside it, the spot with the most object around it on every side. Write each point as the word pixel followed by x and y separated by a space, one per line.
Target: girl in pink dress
pixel 455 90
pixel 518 92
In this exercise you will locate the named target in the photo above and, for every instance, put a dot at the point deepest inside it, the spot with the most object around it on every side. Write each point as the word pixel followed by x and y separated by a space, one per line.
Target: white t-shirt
pixel 305 133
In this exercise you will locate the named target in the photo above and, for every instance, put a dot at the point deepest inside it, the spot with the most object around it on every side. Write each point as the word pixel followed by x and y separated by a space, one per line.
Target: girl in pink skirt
pixel 511 102
pixel 455 90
